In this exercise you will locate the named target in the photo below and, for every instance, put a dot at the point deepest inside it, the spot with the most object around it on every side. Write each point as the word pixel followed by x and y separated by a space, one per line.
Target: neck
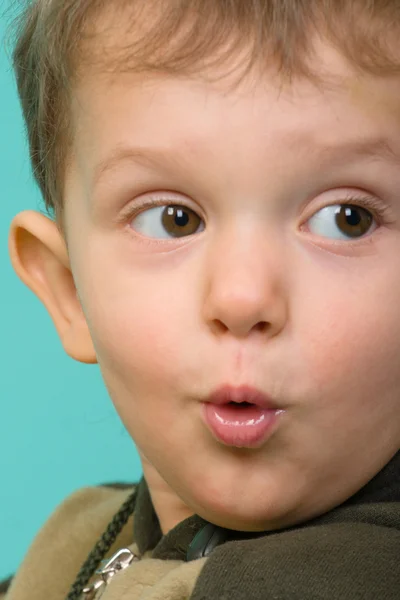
pixel 170 509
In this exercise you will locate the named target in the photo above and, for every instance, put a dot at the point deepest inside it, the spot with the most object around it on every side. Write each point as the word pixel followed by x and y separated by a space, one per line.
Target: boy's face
pixel 255 290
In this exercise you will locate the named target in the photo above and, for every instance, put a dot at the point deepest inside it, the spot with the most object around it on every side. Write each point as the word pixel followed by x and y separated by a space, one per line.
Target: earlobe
pixel 39 257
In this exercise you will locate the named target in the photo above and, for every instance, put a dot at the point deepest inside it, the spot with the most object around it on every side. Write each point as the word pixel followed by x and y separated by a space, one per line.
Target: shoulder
pixel 352 552
pixel 4 585
pixel 64 542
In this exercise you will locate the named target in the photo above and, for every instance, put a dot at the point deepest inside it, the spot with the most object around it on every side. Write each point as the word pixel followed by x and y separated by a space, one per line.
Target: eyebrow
pixel 157 157
pixel 147 157
pixel 363 148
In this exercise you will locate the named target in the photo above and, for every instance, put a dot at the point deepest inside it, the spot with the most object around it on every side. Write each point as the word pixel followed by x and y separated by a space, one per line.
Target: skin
pixel 257 296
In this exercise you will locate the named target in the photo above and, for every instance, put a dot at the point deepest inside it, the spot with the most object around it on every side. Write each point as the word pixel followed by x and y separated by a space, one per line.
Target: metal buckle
pixel 120 561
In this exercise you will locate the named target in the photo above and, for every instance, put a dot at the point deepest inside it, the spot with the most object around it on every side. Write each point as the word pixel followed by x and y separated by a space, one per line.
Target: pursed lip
pixel 243 393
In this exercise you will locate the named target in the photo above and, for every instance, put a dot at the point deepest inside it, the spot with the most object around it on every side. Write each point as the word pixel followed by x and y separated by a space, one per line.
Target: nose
pixel 245 286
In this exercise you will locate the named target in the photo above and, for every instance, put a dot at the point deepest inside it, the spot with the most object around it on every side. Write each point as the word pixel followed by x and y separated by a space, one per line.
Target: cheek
pixel 138 358
pixel 138 332
pixel 138 336
pixel 351 350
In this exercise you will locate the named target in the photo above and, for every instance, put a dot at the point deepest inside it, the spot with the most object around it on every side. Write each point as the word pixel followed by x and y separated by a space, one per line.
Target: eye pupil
pixel 352 217
pixel 182 218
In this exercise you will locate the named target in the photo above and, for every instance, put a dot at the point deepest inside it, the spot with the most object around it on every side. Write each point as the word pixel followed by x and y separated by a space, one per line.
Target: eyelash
pixel 132 211
pixel 381 212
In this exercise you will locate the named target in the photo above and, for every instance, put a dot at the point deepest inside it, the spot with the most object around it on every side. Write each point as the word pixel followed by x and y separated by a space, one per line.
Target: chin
pixel 240 522
pixel 244 518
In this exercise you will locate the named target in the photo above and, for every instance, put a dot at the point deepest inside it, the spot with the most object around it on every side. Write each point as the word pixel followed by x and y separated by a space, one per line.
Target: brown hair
pixel 55 40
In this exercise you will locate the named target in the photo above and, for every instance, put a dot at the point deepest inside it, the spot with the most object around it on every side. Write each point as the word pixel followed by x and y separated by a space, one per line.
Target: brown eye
pixel 166 221
pixel 353 221
pixel 342 222
pixel 180 221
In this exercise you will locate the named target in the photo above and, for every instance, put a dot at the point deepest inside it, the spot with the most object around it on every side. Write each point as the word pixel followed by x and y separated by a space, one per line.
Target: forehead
pixel 111 111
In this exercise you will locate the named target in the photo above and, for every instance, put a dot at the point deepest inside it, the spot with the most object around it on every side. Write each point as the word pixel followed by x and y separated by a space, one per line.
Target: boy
pixel 224 178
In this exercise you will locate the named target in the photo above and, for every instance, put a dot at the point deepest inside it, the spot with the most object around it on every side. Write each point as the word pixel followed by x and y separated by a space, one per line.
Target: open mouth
pixel 240 424
pixel 239 412
pixel 235 421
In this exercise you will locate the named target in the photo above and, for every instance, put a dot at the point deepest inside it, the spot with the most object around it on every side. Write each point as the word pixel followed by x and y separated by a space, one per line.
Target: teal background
pixel 58 427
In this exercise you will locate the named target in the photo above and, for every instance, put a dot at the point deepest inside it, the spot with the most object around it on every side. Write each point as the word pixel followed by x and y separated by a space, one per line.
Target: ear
pixel 39 257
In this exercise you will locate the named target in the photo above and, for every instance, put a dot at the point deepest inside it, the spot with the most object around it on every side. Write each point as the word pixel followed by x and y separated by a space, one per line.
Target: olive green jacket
pixel 350 553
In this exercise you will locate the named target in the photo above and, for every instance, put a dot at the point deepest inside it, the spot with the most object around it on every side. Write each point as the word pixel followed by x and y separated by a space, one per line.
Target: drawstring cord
pixel 102 547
